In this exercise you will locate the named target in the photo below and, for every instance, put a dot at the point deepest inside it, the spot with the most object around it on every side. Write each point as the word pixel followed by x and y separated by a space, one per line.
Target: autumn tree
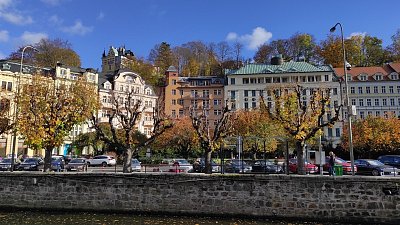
pixel 47 53
pixel 181 137
pixel 331 52
pixel 374 135
pixel 263 54
pixel 210 137
pixel 302 120
pixel 6 122
pixel 49 109
pixel 394 48
pixel 126 112
pixel 256 126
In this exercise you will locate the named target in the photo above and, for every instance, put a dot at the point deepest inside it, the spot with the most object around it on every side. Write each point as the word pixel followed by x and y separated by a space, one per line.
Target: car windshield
pixel 238 162
pixel 263 163
pixel 30 160
pixel 339 160
pixel 135 161
pixel 182 161
pixel 77 161
pixel 375 163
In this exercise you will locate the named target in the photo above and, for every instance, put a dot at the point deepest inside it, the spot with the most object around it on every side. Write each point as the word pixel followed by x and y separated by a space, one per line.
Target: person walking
pixel 331 164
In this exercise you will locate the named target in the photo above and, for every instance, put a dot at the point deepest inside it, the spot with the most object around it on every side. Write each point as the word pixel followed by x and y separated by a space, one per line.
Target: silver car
pixel 136 165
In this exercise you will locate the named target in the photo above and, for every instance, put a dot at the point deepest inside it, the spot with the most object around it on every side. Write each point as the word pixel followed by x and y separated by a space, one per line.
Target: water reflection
pixel 60 218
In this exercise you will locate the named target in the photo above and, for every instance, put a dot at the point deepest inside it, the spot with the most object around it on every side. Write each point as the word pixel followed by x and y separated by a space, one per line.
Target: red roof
pixel 369 71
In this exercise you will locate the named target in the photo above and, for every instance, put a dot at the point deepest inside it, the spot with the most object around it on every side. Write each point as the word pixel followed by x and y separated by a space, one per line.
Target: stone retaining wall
pixel 320 198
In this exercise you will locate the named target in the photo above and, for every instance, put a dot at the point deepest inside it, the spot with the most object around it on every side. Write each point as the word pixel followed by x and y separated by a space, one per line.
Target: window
pixel 391 89
pixel 9 86
pixel 394 76
pixel 377 113
pixel 378 77
pixel 384 102
pixel 368 90
pixel 362 116
pixel 233 81
pixel 217 112
pixel 6 66
pixel 104 99
pixel 3 85
pixel 360 90
pixel 246 105
pixel 253 93
pixel 334 91
pixel 361 102
pixel 173 113
pixel 329 132
pixel 206 93
pixel 375 89
pixel 245 80
pixel 376 102
pixel 353 102
pixel 392 102
pixel 337 131
pixel 398 89
pixel 217 101
pixel 254 105
pixel 246 93
pixel 363 78
pixel 180 101
pixel 369 102
pixel 217 92
pixel 173 82
pixel 352 90
pixel 326 77
pixel 383 89
pixel 173 92
pixel 173 101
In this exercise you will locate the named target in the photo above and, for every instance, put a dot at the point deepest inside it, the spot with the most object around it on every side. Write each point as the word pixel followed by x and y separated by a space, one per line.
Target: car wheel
pixel 375 173
pixel 103 164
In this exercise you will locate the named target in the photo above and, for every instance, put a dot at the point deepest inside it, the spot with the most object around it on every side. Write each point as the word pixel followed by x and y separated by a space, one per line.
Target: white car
pixel 102 160
pixel 175 165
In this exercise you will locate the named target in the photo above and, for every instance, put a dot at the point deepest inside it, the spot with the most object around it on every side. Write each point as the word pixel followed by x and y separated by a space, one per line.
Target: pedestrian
pixel 331 164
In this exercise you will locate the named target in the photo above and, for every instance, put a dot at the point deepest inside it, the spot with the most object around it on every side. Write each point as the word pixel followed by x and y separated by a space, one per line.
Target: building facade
pixel 10 78
pixel 204 94
pixel 375 91
pixel 246 85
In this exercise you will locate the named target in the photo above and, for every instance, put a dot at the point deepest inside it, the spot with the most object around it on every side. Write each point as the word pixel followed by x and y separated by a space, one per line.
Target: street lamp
pixel 349 109
pixel 14 143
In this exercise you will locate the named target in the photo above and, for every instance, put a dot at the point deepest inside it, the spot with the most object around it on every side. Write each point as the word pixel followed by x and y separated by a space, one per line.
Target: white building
pixel 246 84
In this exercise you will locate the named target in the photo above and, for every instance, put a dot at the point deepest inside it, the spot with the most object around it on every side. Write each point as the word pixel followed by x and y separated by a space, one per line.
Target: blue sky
pixel 93 25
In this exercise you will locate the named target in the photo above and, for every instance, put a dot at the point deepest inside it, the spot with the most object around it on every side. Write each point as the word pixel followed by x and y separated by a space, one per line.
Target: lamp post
pixel 14 141
pixel 349 109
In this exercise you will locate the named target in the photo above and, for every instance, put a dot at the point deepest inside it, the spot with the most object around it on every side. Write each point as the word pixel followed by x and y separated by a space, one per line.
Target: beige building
pixel 182 94
pixel 9 78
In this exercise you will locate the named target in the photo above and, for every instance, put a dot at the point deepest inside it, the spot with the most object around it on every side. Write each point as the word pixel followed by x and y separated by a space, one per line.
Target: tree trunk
pixel 47 159
pixel 127 161
pixel 207 160
pixel 300 147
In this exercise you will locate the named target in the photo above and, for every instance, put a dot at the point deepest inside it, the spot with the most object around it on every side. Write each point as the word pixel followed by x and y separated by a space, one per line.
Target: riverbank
pixel 307 198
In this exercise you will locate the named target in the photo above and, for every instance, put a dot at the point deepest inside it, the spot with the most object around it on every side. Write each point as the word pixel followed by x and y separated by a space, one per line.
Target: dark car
pixel 265 166
pixel 32 164
pixel 236 166
pixel 375 168
pixel 391 160
pixel 200 165
pixel 5 164
pixel 57 163
pixel 77 164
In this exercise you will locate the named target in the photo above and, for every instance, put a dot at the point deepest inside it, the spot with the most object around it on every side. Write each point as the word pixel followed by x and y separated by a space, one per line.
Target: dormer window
pixel 6 66
pixel 107 86
pixel 378 77
pixel 148 92
pixel 26 70
pixel 394 76
pixel 363 77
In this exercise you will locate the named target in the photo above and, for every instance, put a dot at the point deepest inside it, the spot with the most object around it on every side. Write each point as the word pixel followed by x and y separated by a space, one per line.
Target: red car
pixel 339 161
pixel 308 167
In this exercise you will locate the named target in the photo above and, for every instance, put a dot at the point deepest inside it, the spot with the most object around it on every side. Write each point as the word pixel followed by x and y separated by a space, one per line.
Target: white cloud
pixel 78 28
pixel 54 19
pixel 32 38
pixel 4 4
pixel 100 16
pixel 362 34
pixel 16 18
pixel 51 2
pixel 251 41
pixel 4 36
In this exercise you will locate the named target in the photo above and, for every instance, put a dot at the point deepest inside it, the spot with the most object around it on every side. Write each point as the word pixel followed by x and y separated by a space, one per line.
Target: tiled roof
pixel 395 66
pixel 287 67
pixel 369 71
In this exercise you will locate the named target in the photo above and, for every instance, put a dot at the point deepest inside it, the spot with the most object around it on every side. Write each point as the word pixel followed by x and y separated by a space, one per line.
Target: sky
pixel 92 26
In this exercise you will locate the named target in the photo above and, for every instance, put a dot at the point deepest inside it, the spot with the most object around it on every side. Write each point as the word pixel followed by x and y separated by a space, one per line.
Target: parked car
pixel 77 164
pixel 200 165
pixel 236 166
pixel 391 160
pixel 308 167
pixel 265 166
pixel 57 163
pixel 32 164
pixel 5 164
pixel 102 160
pixel 375 168
pixel 136 165
pixel 175 165
pixel 339 161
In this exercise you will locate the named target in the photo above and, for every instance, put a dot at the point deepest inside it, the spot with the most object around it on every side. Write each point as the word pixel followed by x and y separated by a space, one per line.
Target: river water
pixel 71 218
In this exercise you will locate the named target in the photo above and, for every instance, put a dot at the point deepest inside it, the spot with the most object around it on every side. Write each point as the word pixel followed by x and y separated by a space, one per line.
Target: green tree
pixel 48 52
pixel 50 108
pixel 6 122
pixel 394 48
pixel 373 51
pixel 264 54
pixel 301 121
pixel 162 57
